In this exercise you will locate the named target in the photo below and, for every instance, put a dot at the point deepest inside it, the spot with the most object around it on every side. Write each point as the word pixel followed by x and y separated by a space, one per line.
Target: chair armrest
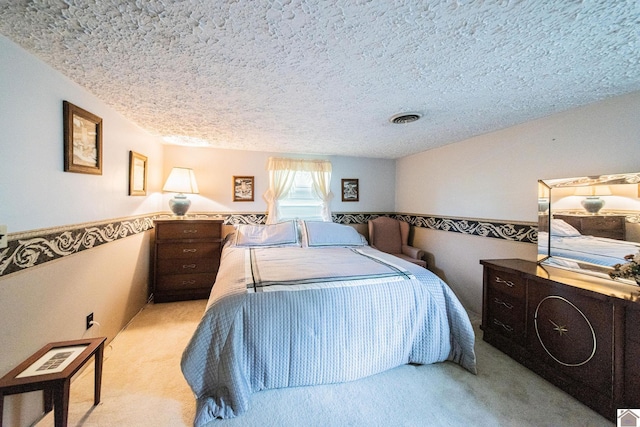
pixel 412 252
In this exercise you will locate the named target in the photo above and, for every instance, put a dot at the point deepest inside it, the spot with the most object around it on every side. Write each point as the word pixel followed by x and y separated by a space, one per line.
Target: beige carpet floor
pixel 143 386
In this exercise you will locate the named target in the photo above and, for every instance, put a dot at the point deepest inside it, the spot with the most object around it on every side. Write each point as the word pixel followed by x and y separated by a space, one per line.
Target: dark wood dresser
pixel 609 226
pixel 580 333
pixel 186 258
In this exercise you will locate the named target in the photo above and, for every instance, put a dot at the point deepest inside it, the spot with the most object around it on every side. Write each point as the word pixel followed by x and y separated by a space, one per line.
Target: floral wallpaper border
pixel 37 247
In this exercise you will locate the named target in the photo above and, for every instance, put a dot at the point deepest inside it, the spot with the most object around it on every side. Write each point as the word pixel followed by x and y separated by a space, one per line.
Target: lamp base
pixel 179 204
pixel 592 204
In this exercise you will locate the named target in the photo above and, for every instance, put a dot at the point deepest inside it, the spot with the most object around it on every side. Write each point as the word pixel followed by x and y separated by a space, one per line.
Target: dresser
pixel 609 226
pixel 186 257
pixel 579 333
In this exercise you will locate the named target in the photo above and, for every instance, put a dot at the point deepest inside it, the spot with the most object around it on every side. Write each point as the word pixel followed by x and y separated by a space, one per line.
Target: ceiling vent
pixel 403 118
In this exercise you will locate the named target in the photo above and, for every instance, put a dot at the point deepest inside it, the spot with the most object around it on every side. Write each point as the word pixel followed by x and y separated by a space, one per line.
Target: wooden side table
pixel 31 375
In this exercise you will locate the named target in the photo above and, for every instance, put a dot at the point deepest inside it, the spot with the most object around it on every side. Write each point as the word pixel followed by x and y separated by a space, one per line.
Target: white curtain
pixel 282 172
pixel 321 186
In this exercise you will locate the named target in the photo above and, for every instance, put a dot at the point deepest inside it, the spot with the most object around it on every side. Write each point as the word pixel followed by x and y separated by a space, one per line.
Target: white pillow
pixel 281 234
pixel 561 228
pixel 320 233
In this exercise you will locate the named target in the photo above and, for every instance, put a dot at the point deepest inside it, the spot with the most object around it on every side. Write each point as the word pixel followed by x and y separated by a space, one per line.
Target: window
pixel 298 189
pixel 301 201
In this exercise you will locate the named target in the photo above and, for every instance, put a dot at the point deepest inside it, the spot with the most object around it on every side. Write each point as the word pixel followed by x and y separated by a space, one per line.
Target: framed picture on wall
pixel 82 140
pixel 137 174
pixel 350 190
pixel 243 189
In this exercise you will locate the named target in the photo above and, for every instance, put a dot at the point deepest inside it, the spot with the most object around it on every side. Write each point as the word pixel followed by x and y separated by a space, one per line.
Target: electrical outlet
pixel 89 320
pixel 3 237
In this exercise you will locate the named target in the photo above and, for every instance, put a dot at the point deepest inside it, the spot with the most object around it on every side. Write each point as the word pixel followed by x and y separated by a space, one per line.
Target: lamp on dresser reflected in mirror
pixel 181 181
pixel 593 202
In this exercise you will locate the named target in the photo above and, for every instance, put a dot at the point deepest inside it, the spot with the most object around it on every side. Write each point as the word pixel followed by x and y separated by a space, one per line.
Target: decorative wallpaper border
pixel 33 248
pixel 513 232
pixel 37 247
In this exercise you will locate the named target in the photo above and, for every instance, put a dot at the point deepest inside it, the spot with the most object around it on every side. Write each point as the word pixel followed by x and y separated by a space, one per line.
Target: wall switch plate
pixel 3 237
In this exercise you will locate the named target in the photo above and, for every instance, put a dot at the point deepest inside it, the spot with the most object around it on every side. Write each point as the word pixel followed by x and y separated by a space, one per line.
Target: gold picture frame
pixel 243 188
pixel 137 174
pixel 82 140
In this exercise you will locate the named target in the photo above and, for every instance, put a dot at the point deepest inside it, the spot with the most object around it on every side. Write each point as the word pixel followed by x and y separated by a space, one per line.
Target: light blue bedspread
pixel 248 342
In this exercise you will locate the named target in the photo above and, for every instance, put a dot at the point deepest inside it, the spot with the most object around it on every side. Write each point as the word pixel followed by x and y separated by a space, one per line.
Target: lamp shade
pixel 593 190
pixel 181 180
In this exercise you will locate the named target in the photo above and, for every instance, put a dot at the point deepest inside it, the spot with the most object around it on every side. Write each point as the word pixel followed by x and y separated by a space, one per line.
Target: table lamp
pixel 181 181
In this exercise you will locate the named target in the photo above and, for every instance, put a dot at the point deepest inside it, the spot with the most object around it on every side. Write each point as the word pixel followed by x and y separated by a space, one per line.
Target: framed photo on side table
pixel 82 140
pixel 137 174
pixel 243 189
pixel 350 190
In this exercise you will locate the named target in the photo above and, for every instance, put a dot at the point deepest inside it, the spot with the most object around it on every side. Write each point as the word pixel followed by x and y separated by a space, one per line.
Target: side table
pixel 50 369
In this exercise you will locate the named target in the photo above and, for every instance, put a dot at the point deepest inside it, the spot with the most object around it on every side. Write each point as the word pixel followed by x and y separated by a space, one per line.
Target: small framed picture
pixel 82 140
pixel 137 174
pixel 243 189
pixel 350 190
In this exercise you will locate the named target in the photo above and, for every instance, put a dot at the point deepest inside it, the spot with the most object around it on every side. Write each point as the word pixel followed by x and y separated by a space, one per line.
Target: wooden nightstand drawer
pixel 187 250
pixel 174 282
pixel 187 266
pixel 603 223
pixel 188 229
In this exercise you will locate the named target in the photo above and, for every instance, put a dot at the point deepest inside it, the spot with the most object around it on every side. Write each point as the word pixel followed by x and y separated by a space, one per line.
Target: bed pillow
pixel 281 234
pixel 321 233
pixel 561 228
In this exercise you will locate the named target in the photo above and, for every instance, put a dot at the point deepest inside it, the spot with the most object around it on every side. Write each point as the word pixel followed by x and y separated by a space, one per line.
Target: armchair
pixel 391 236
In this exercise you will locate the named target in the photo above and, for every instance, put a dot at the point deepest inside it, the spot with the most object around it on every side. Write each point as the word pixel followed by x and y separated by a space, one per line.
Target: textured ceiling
pixel 324 77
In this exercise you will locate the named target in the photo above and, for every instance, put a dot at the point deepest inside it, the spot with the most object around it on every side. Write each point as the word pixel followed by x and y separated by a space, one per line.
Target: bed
pixel 567 243
pixel 305 303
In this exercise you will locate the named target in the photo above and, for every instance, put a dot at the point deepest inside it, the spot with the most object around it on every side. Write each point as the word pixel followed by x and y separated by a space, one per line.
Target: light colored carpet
pixel 143 386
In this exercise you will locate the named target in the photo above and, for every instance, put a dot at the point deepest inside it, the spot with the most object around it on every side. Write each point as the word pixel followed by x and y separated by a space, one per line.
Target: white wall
pixel 50 302
pixel 35 190
pixel 215 168
pixel 494 176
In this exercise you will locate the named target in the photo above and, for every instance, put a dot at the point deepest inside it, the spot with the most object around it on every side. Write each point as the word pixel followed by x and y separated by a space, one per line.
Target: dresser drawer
pixel 632 324
pixel 188 266
pixel 175 282
pixel 506 314
pixel 187 230
pixel 506 283
pixel 187 250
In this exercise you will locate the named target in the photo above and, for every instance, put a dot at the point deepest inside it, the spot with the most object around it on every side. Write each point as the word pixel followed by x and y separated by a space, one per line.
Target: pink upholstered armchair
pixel 391 236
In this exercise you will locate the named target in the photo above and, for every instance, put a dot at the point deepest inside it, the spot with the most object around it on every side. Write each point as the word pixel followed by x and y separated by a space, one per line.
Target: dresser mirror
pixel 589 224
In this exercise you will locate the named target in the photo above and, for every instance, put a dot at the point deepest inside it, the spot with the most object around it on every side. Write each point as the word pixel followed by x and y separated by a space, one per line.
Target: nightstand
pixel 186 257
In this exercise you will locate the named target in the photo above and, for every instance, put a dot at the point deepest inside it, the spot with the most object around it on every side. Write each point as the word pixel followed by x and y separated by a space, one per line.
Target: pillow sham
pixel 280 234
pixel 321 233
pixel 561 228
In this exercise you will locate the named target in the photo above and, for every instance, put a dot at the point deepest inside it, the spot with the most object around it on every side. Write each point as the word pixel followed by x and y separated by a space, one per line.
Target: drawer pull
pixel 188 282
pixel 500 302
pixel 190 231
pixel 188 266
pixel 506 282
pixel 499 323
pixel 189 250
